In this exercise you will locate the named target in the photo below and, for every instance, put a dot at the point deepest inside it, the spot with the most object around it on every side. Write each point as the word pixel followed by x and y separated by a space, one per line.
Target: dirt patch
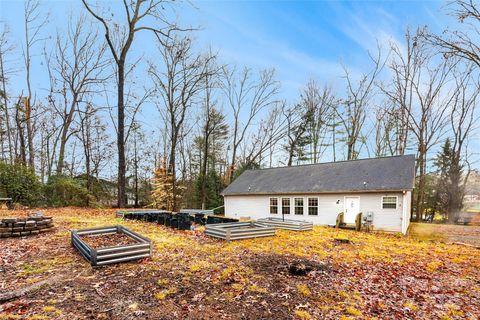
pixel 448 233
pixel 107 240
pixel 272 263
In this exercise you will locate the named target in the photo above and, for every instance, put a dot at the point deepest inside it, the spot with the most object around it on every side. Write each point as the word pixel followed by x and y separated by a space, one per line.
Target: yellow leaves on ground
pixel 433 266
pixel 352 311
pixel 187 264
pixel 255 288
pixel 304 315
pixel 165 293
pixel 51 310
pixel 303 290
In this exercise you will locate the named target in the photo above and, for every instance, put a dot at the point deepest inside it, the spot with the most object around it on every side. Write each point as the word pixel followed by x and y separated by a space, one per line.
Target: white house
pixel 318 192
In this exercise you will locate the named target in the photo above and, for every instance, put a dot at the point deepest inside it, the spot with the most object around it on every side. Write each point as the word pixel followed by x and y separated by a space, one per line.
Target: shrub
pixel 63 191
pixel 19 183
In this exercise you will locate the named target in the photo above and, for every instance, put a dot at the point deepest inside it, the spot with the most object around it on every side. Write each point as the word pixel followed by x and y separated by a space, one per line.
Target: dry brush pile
pixel 193 276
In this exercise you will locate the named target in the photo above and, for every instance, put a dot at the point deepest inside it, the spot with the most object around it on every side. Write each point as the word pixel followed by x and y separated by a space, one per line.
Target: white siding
pixel 329 205
pixel 407 201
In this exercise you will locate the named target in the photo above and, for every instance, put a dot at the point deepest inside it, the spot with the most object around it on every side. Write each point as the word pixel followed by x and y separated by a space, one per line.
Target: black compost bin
pixel 184 221
pixel 200 218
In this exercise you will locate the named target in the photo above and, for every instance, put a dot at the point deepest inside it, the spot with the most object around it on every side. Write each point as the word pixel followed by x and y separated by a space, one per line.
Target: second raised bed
pixel 239 230
pixel 287 224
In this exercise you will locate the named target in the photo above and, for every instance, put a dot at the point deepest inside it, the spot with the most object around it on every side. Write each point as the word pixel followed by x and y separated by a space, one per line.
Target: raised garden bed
pixel 239 230
pixel 19 227
pixel 107 245
pixel 287 224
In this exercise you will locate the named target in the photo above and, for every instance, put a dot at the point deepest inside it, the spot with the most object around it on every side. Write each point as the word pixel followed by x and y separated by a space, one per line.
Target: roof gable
pixel 366 175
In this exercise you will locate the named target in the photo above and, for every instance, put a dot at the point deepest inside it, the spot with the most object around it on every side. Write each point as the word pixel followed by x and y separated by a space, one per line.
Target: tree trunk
pixel 290 154
pixel 28 113
pixel 231 170
pixel 64 136
pixel 350 150
pixel 421 181
pixel 203 174
pixel 121 136
pixel 171 165
pixel 5 105
pixel 23 152
pixel 136 171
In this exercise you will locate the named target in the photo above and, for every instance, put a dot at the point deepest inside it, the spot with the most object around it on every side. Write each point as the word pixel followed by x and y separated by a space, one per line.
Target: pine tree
pixel 450 191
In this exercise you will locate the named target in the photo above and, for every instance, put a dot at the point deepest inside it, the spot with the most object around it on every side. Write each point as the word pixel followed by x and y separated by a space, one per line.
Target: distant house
pixel 318 192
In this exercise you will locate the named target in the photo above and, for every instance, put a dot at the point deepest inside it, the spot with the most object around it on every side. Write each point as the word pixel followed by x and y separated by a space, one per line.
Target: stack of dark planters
pixel 219 219
pixel 203 219
pixel 181 221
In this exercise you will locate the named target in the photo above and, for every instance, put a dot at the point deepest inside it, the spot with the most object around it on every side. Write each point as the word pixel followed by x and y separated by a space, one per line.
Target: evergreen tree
pixel 450 190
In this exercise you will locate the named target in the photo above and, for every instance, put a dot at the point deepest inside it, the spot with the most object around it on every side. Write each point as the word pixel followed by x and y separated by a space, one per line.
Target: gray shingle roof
pixel 380 174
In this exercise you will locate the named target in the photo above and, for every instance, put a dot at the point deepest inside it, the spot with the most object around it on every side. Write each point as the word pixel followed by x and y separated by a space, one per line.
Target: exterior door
pixel 352 208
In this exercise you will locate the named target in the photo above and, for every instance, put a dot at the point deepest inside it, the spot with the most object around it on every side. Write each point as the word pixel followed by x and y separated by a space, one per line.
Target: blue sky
pixel 301 39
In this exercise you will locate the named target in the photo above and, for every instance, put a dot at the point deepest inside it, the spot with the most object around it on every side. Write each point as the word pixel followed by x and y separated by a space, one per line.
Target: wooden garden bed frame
pixel 287 224
pixel 115 254
pixel 239 230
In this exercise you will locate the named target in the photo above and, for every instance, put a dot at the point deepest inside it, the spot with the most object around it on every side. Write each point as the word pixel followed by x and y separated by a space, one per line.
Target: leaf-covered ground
pixel 192 276
pixel 447 233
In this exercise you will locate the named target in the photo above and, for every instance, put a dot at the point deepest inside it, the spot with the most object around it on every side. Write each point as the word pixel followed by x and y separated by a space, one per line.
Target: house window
pixel 313 206
pixel 286 205
pixel 299 206
pixel 389 202
pixel 273 205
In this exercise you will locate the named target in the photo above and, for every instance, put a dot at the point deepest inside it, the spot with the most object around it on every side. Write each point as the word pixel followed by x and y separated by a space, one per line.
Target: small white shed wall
pixel 258 206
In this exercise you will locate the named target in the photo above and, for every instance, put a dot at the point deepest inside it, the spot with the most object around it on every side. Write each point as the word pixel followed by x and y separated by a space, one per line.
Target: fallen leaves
pixel 192 275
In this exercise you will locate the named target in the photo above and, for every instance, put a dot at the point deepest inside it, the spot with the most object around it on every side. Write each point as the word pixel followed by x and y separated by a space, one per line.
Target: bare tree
pixel 179 85
pixel 213 130
pixel 136 12
pixel 386 142
pixel 461 43
pixel 359 95
pixel 246 96
pixel 428 119
pixel 97 149
pixel 20 143
pixel 270 132
pixel 298 119
pixel 5 129
pixel 78 68
pixel 405 67
pixel 462 119
pixel 33 23
pixel 319 104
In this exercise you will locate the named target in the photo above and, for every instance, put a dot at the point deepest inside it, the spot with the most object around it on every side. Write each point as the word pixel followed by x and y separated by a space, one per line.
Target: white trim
pixel 295 207
pixel 406 211
pixel 345 203
pixel 289 205
pixel 270 205
pixel 389 196
pixel 308 207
